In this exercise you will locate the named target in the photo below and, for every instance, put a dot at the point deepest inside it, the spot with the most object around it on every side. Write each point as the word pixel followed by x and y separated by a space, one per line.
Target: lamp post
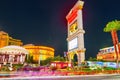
pixel 0 41
pixel 39 57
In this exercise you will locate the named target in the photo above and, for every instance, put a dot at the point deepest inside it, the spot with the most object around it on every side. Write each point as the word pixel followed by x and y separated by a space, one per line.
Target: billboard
pixel 73 44
pixel 102 64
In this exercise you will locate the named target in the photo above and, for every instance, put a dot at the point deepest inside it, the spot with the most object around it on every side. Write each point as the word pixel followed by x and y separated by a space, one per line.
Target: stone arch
pixel 72 56
pixel 75 57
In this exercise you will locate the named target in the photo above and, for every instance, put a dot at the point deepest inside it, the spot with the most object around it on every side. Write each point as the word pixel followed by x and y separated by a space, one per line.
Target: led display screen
pixel 73 44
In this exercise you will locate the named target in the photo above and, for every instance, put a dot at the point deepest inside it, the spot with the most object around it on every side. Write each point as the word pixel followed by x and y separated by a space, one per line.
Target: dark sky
pixel 43 22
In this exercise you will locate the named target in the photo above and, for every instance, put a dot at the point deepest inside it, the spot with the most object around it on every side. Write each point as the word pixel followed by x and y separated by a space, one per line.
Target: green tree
pixel 92 59
pixel 113 27
pixel 29 59
pixel 49 60
pixel 58 58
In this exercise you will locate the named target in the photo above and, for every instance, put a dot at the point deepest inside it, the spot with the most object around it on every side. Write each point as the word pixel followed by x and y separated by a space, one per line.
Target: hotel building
pixel 6 40
pixel 107 54
pixel 39 52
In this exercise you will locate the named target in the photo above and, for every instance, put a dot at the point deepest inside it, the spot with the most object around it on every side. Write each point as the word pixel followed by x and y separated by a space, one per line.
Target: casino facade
pixel 6 40
pixel 9 45
pixel 13 54
pixel 39 52
pixel 107 54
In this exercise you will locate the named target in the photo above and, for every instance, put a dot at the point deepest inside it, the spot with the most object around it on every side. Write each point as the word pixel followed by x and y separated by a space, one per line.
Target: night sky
pixel 43 22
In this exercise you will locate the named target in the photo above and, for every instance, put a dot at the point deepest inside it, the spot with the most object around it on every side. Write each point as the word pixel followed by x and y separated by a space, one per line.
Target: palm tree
pixel 112 27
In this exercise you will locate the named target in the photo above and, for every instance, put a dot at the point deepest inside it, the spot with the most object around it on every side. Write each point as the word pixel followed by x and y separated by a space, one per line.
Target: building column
pixel 81 56
pixel 3 58
pixel 18 58
pixel 21 58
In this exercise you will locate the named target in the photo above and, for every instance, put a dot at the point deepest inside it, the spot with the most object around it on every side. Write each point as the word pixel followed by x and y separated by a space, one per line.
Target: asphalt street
pixel 78 77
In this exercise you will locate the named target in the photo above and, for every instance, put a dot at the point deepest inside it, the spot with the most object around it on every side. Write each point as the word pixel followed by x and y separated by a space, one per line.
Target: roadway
pixel 77 77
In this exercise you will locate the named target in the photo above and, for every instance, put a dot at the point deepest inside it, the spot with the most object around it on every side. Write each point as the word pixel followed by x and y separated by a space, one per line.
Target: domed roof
pixel 12 49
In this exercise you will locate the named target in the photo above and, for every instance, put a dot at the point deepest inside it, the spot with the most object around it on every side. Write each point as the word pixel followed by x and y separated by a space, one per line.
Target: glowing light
pixel 73 13
pixel 73 28
pixel 72 16
pixel 73 44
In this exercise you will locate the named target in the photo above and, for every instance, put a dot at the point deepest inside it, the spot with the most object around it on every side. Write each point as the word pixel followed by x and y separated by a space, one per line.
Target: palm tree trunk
pixel 116 46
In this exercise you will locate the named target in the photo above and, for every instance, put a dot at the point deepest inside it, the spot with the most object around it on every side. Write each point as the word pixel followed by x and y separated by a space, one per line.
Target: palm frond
pixel 113 25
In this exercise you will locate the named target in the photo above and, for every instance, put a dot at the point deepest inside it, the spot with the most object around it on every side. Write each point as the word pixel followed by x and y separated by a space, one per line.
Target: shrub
pixel 4 68
pixel 109 68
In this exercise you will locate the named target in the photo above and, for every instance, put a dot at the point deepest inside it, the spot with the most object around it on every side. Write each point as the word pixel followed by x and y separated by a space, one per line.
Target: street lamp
pixel 39 57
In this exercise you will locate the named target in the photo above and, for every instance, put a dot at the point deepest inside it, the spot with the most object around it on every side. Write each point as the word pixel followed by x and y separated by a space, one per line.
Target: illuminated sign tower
pixel 76 33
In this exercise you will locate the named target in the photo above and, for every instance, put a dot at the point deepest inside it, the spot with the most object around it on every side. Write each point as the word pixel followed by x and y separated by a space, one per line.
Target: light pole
pixel 39 57
pixel 0 41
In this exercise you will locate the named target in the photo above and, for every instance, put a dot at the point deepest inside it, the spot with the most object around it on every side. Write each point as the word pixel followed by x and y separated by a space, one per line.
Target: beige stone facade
pixel 6 40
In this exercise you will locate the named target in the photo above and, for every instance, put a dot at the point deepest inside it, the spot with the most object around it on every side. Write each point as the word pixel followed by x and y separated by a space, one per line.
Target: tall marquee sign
pixel 75 37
